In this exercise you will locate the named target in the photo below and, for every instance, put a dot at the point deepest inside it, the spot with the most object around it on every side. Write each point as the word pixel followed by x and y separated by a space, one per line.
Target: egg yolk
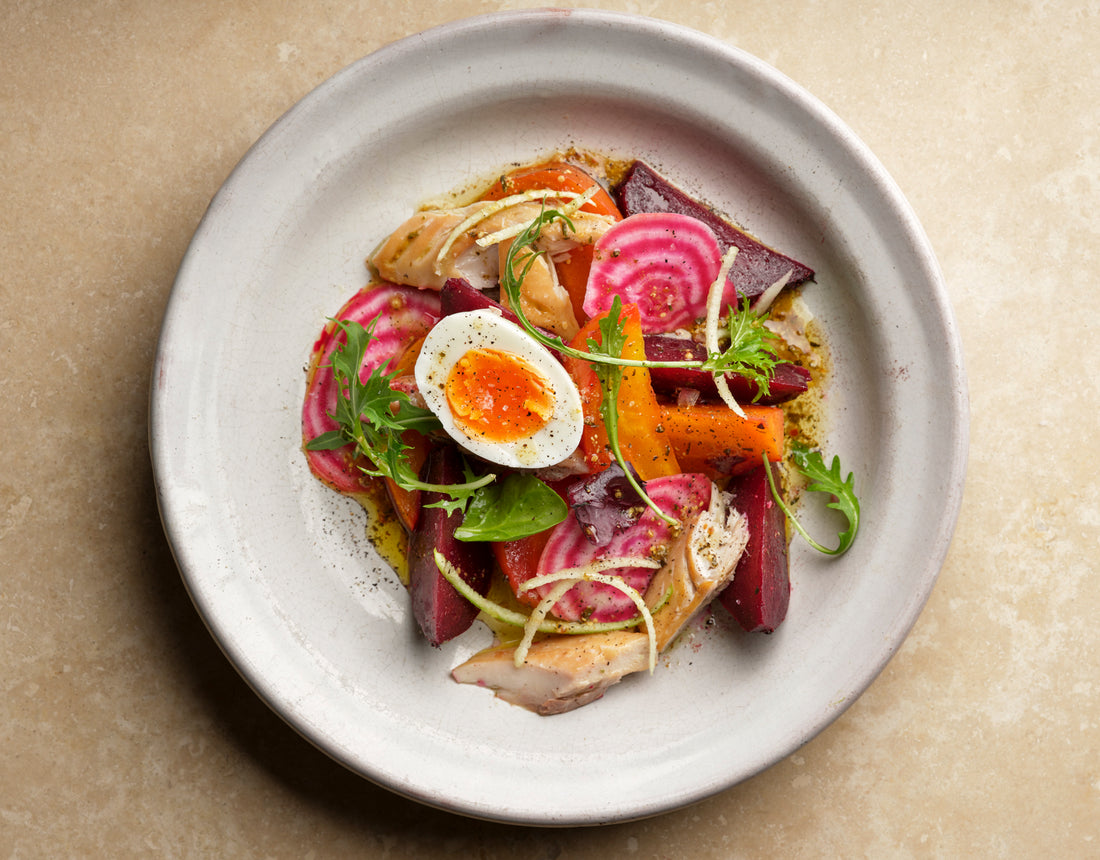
pixel 498 395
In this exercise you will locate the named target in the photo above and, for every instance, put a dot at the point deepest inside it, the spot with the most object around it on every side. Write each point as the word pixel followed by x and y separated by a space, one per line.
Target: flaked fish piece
pixel 544 301
pixel 700 563
pixel 561 672
pixel 410 255
pixel 423 253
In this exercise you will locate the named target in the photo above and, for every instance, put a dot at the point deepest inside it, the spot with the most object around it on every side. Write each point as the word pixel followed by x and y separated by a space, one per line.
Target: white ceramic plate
pixel 279 566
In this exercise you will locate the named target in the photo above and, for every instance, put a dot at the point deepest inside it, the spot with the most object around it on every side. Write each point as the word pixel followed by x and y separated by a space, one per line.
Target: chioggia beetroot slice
pixel 403 314
pixel 757 266
pixel 683 496
pixel 664 263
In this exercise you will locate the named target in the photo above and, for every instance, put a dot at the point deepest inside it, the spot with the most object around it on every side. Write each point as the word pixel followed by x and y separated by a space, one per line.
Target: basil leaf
pixel 518 506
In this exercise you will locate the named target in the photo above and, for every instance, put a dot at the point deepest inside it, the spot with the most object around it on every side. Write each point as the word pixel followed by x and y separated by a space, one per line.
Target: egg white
pixel 451 338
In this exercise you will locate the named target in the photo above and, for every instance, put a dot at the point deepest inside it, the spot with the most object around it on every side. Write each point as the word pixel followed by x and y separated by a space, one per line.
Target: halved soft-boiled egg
pixel 498 392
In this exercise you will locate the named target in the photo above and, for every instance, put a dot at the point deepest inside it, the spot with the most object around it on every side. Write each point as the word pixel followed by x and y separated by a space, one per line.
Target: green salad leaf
pixel 516 506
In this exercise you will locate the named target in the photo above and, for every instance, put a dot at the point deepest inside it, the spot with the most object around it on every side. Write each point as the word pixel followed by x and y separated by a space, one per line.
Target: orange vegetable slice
pixel 642 439
pixel 406 503
pixel 714 440
pixel 519 560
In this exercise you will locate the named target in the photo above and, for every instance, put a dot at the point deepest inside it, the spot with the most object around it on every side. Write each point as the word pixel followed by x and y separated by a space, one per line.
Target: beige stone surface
pixel 123 730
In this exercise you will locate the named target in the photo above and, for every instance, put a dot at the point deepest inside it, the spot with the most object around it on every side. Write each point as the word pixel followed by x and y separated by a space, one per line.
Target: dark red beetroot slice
pixel 442 612
pixel 787 382
pixel 757 266
pixel 459 296
pixel 761 587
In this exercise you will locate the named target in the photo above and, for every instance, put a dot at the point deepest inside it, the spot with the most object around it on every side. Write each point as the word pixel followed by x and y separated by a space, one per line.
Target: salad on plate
pixel 586 398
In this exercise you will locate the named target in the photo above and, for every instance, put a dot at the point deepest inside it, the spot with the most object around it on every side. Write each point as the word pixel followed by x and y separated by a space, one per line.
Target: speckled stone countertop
pixel 124 732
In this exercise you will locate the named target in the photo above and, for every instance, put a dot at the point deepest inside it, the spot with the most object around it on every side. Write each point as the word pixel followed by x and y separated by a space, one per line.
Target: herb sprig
pixel 372 416
pixel 750 350
pixel 823 479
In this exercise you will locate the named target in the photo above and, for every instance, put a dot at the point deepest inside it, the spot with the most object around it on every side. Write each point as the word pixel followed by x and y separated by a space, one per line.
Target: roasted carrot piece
pixel 572 272
pixel 597 455
pixel 641 423
pixel 518 560
pixel 406 503
pixel 557 176
pixel 715 440
pixel 642 440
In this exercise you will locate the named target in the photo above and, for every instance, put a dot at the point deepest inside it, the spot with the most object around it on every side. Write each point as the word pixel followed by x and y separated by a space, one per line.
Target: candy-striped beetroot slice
pixel 683 496
pixel 403 314
pixel 664 263
pixel 756 267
